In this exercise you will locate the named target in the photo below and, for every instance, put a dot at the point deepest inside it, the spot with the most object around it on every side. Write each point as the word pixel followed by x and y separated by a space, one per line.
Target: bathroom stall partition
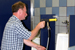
pixel 44 33
pixel 72 32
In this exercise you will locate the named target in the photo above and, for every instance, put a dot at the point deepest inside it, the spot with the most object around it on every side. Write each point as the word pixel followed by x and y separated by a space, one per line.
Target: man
pixel 15 34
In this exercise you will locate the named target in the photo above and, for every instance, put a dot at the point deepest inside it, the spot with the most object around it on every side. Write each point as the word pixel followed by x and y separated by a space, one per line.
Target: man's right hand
pixel 41 24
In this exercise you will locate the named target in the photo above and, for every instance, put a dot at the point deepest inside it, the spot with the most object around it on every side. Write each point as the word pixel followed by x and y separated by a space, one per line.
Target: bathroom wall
pixel 62 9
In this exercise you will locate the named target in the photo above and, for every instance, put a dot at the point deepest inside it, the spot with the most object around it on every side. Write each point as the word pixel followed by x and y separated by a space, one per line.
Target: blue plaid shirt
pixel 13 35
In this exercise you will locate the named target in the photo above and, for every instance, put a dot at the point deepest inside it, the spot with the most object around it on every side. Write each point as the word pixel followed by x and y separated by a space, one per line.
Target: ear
pixel 20 11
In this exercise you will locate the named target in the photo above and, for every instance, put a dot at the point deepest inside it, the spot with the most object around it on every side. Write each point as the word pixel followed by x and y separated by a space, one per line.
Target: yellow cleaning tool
pixel 54 19
pixel 49 20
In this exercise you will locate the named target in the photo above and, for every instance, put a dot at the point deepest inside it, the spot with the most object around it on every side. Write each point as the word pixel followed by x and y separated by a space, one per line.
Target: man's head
pixel 19 10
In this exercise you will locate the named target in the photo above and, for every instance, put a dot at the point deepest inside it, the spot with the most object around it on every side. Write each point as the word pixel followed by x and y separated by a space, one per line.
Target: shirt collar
pixel 16 19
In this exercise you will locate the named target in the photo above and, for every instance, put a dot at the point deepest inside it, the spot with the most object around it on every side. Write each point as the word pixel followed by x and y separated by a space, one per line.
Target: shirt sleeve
pixel 22 32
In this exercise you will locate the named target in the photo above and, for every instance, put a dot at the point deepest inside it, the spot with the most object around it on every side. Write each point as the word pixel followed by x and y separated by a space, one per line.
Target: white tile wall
pixel 61 20
pixel 58 20
pixel 42 3
pixel 55 3
pixel 48 10
pixel 70 2
pixel 62 29
pixel 37 11
pixel 68 18
pixel 62 11
pixel 36 19
pixel 35 25
pixel 56 29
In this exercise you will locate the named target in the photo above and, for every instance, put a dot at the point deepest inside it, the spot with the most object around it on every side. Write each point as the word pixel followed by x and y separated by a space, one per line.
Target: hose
pixel 48 27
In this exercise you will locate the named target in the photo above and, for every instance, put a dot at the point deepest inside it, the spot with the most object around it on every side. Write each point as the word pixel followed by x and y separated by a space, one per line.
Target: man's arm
pixel 31 44
pixel 36 29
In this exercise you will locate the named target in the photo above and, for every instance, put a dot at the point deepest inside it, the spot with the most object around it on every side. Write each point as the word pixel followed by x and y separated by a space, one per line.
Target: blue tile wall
pixel 70 11
pixel 62 3
pixel 48 3
pixel 55 10
pixel 36 3
pixel 42 10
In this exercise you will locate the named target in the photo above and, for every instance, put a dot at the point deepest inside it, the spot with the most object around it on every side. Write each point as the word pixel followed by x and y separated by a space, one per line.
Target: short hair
pixel 18 5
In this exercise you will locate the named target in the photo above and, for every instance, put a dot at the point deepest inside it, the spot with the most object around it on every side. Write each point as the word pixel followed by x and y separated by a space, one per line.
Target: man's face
pixel 24 13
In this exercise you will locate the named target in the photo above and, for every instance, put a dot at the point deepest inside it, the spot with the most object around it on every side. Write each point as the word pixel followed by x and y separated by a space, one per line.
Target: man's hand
pixel 39 47
pixel 31 44
pixel 41 24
